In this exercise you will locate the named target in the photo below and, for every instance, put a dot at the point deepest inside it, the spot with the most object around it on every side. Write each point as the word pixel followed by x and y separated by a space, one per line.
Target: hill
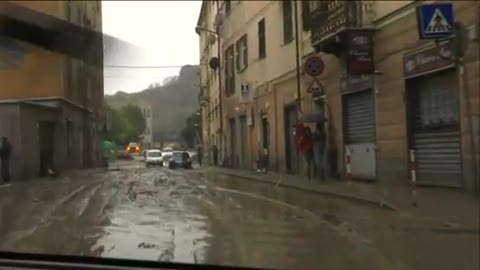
pixel 171 102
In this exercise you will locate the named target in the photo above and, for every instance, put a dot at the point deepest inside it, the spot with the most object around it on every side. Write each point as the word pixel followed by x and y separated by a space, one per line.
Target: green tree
pixel 127 124
pixel 191 133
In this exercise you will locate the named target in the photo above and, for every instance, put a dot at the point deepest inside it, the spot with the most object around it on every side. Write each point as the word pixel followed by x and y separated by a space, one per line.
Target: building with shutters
pixel 417 99
pixel 51 105
pixel 257 106
pixel 386 91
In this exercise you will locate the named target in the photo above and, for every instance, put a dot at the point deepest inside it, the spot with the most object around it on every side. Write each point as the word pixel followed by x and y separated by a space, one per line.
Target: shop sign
pixel 354 83
pixel 438 57
pixel 360 52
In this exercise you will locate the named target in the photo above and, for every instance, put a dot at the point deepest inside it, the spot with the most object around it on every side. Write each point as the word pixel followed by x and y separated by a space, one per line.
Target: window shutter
pixel 245 52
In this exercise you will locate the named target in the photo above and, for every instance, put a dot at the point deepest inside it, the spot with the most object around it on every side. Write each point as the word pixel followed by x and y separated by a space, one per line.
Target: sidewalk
pixel 431 202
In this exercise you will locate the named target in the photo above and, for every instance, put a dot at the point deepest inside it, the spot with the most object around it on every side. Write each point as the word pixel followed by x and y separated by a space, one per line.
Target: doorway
pixel 46 132
pixel 291 158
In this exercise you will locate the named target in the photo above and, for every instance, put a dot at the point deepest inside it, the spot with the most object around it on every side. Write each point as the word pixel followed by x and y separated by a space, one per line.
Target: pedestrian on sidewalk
pixel 306 148
pixel 199 155
pixel 215 155
pixel 319 145
pixel 5 152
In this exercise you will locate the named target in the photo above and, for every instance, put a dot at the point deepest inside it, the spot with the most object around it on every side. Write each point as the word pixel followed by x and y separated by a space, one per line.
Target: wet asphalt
pixel 195 217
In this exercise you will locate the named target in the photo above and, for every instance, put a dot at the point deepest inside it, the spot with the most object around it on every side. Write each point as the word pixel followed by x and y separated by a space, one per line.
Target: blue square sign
pixel 435 20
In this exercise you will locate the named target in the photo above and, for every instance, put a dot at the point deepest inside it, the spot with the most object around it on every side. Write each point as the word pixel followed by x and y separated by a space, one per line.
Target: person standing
pixel 5 152
pixel 215 155
pixel 306 148
pixel 319 145
pixel 199 155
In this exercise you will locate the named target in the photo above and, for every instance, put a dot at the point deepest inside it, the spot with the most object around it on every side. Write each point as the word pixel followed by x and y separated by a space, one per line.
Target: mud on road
pixel 191 216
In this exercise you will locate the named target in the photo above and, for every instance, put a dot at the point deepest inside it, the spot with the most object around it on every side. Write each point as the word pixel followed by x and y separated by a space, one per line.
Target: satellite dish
pixel 212 39
pixel 214 63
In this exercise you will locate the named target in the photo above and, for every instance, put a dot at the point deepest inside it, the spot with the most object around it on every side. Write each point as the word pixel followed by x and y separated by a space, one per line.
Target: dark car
pixel 180 159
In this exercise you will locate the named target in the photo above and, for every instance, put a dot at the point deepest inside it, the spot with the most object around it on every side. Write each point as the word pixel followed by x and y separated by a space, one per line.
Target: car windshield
pixel 154 154
pixel 180 155
pixel 269 134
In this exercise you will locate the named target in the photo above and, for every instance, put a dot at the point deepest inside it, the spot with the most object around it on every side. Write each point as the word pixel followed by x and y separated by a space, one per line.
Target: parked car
pixel 180 159
pixel 153 157
pixel 133 148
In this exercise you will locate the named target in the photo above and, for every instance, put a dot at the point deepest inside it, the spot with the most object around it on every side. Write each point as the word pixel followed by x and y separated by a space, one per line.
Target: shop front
pixel 432 95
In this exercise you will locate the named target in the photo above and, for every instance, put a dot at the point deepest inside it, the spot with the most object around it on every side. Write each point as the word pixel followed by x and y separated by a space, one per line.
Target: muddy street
pixel 193 216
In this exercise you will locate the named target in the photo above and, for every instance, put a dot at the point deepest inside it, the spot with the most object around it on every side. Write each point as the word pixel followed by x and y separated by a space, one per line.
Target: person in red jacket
pixel 305 147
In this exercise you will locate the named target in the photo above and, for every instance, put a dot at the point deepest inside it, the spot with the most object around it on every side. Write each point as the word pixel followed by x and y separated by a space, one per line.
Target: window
pixel 241 53
pixel 228 6
pixel 306 15
pixel 230 71
pixel 287 21
pixel 262 52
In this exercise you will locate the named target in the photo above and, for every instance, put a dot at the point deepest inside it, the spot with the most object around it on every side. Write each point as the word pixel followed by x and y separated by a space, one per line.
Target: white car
pixel 153 157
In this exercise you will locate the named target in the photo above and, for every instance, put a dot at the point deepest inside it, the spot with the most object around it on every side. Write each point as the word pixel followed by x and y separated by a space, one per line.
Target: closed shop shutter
pixel 436 136
pixel 360 117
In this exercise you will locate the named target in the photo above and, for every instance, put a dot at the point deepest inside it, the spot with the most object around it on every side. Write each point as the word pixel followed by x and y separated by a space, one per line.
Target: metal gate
pixel 359 123
pixel 436 135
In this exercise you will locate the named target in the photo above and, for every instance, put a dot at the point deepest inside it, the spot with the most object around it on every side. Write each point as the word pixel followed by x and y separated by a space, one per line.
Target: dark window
pixel 230 71
pixel 228 6
pixel 306 15
pixel 262 52
pixel 287 21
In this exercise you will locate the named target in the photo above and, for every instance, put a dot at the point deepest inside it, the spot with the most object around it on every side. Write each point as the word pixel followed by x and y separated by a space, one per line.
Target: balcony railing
pixel 330 18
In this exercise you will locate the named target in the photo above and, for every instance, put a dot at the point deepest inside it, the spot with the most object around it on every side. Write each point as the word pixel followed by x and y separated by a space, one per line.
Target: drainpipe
pixel 220 94
pixel 297 57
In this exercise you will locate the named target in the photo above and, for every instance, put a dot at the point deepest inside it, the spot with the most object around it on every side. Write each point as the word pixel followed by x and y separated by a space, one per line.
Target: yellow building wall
pixel 41 73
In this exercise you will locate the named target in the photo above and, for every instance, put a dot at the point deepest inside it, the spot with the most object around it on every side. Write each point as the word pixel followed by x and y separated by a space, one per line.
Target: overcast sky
pixel 166 29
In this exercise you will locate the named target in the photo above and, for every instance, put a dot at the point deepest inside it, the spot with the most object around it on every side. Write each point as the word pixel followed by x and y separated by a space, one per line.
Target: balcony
pixel 330 20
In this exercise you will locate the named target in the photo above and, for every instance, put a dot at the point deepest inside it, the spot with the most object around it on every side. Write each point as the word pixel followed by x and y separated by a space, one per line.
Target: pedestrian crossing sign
pixel 435 20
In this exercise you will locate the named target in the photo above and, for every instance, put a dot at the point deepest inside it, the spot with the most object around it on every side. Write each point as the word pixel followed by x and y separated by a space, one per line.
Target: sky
pixel 166 31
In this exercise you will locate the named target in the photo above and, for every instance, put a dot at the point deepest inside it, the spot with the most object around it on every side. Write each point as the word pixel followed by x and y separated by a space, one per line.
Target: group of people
pixel 312 147
pixel 5 151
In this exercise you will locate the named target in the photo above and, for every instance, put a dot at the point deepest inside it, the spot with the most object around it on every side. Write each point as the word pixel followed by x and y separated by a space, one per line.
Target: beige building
pixel 387 93
pixel 51 105
pixel 147 136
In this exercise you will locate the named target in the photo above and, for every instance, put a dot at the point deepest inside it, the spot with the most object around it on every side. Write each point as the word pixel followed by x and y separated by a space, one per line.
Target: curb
pixel 384 205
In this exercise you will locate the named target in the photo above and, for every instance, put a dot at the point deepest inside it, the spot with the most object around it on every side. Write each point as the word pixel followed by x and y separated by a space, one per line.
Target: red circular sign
pixel 314 66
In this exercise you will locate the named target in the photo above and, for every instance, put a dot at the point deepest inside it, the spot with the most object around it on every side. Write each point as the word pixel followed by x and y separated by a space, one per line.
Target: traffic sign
pixel 315 87
pixel 435 20
pixel 314 66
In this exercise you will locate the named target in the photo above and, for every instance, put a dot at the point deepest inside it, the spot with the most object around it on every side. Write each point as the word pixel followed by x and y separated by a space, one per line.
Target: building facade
pixel 147 136
pixel 387 95
pixel 210 96
pixel 51 105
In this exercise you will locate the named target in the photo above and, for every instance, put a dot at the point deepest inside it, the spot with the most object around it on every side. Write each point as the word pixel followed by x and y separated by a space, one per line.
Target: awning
pixel 314 117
